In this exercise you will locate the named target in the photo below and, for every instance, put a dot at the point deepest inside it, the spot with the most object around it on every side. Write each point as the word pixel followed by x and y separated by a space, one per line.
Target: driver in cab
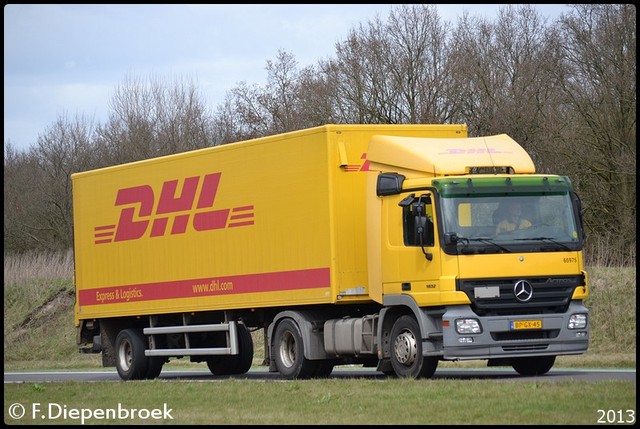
pixel 513 221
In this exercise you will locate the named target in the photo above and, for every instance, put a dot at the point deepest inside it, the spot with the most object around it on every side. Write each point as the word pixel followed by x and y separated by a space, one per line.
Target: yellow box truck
pixel 389 246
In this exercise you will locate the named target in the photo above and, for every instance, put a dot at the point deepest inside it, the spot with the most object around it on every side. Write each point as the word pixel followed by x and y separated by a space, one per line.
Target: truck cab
pixel 482 282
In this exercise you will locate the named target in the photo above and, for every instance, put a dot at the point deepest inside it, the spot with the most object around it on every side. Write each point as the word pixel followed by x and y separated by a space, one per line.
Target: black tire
pixel 288 350
pixel 155 363
pixel 324 368
pixel 390 373
pixel 154 366
pixel 534 365
pixel 234 364
pixel 406 350
pixel 131 362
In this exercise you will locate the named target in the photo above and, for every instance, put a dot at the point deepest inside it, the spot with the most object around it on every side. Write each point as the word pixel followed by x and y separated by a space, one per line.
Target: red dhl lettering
pixel 352 168
pixel 138 216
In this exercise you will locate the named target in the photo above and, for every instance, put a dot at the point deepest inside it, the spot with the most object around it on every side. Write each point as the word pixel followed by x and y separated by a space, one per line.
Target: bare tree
pixel 416 46
pixel 38 201
pixel 600 86
pixel 251 111
pixel 19 173
pixel 280 98
pixel 315 98
pixel 183 120
pixel 246 104
pixel 395 71
pixel 360 92
pixel 503 70
pixel 153 119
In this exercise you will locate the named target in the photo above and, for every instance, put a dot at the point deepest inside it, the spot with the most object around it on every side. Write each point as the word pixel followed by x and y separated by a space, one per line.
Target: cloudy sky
pixel 68 59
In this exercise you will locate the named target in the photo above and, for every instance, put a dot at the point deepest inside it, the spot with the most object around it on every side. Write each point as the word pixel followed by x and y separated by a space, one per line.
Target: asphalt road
pixel 498 374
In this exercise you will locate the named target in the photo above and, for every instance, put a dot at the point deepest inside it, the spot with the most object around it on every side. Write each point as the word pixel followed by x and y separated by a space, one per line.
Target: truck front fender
pixel 429 320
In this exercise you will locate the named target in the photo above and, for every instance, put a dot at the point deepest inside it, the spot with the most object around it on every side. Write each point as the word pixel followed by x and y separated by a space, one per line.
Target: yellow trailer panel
pixel 274 221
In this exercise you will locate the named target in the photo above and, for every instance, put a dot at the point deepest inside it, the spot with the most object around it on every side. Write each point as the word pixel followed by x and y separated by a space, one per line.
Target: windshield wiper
pixel 564 246
pixel 490 241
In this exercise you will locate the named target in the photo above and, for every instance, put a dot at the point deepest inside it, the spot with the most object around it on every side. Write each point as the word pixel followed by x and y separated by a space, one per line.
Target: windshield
pixel 501 221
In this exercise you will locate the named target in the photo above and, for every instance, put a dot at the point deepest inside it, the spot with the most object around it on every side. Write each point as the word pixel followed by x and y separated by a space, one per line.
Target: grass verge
pixel 330 401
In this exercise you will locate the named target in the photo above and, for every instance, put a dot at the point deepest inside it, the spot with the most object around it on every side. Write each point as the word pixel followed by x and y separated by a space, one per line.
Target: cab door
pixel 411 257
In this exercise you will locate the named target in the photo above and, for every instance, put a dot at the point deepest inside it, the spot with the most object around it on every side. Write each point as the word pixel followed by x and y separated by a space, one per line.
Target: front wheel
pixel 406 350
pixel 534 365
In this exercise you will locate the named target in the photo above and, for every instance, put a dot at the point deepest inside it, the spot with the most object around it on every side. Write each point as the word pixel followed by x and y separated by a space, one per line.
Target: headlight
pixel 468 326
pixel 577 321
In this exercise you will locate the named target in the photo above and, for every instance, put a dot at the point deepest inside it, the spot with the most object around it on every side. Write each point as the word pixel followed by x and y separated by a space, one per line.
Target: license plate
pixel 526 324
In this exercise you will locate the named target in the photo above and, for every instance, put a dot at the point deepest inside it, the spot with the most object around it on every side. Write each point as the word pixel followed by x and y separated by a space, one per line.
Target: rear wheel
pixel 534 365
pixel 324 368
pixel 154 367
pixel 234 364
pixel 406 350
pixel 155 363
pixel 131 362
pixel 288 350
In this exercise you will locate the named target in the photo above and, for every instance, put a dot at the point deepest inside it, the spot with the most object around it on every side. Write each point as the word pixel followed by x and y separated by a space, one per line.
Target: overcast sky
pixel 68 59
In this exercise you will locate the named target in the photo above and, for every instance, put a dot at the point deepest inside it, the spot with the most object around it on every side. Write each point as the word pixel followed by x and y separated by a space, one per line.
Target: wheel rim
pixel 406 348
pixel 125 355
pixel 288 350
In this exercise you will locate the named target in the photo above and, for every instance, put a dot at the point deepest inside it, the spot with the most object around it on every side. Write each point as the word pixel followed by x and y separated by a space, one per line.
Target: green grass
pixel 332 401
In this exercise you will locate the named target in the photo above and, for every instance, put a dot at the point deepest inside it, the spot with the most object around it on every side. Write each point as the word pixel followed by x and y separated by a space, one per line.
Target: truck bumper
pixel 500 338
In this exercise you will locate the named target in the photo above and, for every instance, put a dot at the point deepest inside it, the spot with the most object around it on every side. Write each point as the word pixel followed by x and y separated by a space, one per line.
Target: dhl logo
pixel 471 151
pixel 138 215
pixel 352 168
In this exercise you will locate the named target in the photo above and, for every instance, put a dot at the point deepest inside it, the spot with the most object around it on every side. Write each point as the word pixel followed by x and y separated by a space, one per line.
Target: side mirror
pixel 423 233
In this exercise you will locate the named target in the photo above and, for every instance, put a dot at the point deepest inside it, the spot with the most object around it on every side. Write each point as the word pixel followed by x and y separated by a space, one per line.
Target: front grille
pixel 550 295
pixel 525 347
pixel 525 335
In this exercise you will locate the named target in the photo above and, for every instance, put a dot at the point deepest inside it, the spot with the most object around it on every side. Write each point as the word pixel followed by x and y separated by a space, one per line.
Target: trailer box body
pixel 268 222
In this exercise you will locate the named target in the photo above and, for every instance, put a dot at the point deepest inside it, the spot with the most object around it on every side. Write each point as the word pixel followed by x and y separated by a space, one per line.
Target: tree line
pixel 564 89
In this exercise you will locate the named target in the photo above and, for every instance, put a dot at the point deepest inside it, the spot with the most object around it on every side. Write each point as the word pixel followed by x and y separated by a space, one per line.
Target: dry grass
pixel 612 307
pixel 37 265
pixel 602 251
pixel 38 306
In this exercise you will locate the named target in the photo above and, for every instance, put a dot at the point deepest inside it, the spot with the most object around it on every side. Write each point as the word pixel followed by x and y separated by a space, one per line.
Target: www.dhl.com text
pixel 214 285
pixel 60 413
